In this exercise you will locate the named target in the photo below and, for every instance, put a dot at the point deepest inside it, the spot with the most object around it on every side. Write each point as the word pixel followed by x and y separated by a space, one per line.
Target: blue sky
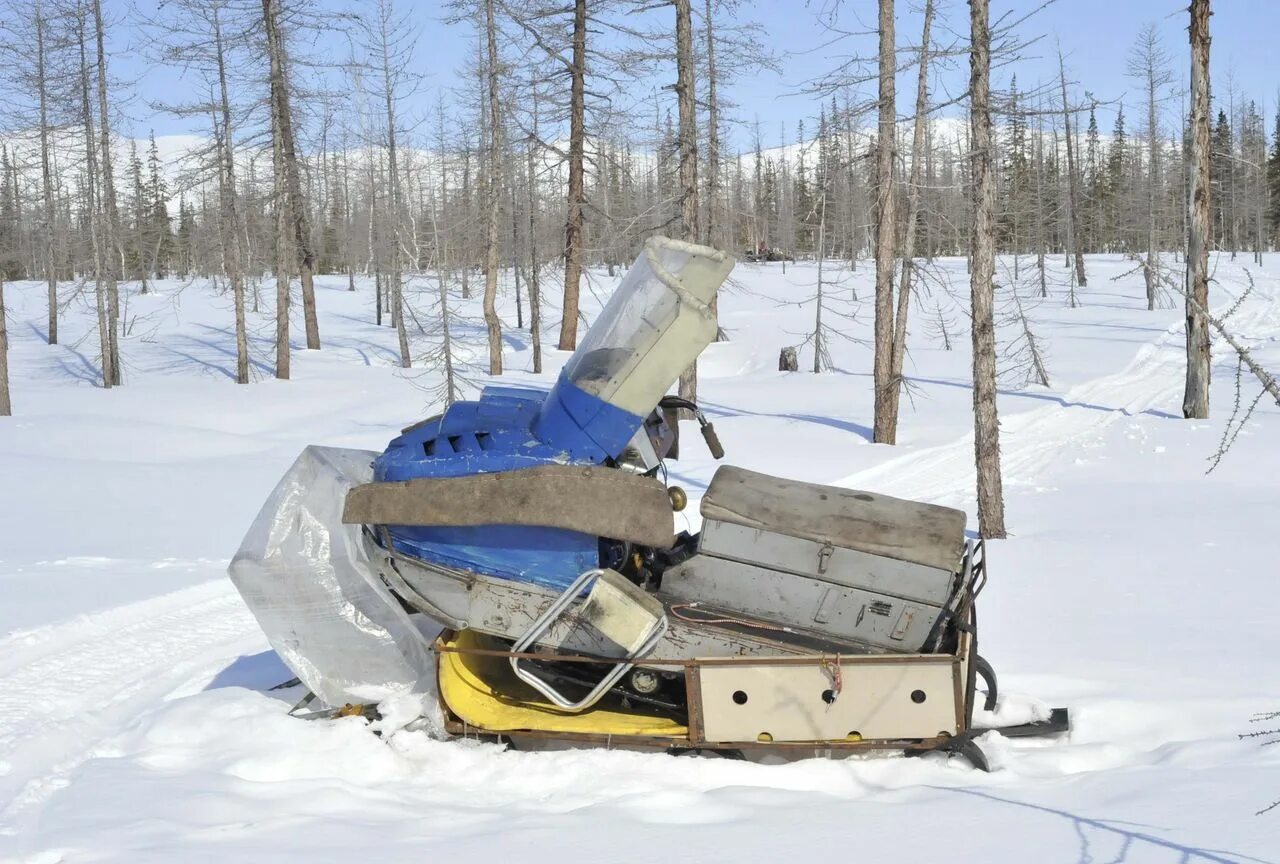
pixel 1095 35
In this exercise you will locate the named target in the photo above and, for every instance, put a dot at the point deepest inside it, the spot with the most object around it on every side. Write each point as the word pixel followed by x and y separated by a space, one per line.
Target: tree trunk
pixel 1195 400
pixel 91 206
pixel 986 434
pixel 1153 152
pixel 442 267
pixel 574 224
pixel 297 210
pixel 233 260
pixel 535 291
pixel 282 245
pixel 713 133
pixel 914 192
pixel 464 258
pixel 819 346
pixel 1041 240
pixel 851 161
pixel 393 204
pixel 687 104
pixel 493 206
pixel 510 175
pixel 883 431
pixel 46 179
pixel 113 249
pixel 1073 196
pixel 713 153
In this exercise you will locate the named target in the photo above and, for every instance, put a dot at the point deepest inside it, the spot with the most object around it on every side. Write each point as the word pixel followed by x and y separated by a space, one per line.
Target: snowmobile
pixel 515 558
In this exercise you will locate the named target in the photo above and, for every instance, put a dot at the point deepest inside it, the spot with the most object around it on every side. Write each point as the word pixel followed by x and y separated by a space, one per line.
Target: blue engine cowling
pixel 507 429
pixel 654 325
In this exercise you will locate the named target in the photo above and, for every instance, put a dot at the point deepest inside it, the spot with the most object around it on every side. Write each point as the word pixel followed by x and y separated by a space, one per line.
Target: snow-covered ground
pixel 136 724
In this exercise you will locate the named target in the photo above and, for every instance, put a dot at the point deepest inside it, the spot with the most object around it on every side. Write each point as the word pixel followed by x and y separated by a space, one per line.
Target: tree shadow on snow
pixel 1090 831
pixel 715 411
pixel 1049 397
pixel 77 366
pixel 253 672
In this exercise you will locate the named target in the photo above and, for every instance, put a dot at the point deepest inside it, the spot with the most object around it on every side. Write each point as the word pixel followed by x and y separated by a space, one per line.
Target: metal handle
pixel 713 441
pixel 549 616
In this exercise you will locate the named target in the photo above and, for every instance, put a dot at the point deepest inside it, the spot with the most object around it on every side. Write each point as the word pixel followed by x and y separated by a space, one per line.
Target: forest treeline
pixel 320 151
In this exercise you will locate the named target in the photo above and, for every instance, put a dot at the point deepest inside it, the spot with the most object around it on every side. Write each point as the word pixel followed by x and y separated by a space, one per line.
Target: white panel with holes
pixel 775 702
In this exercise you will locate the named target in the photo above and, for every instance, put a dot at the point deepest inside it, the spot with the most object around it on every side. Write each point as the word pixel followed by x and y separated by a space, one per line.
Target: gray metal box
pixel 826 561
pixel 851 564
pixel 857 539
pixel 880 621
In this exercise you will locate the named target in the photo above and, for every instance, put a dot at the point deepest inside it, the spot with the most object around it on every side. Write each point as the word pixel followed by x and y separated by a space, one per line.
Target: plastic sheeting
pixel 306 578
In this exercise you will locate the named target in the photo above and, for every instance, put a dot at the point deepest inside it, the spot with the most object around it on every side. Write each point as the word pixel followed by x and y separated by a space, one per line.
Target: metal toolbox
pixel 880 621
pixel 852 564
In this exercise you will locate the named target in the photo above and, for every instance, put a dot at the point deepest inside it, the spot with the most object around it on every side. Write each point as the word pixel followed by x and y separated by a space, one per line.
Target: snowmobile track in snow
pixel 1030 440
pixel 66 688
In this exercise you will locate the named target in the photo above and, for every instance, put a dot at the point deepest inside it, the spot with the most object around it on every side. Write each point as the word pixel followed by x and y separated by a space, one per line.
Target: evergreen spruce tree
pixel 160 233
pixel 11 266
pixel 1222 148
pixel 139 210
pixel 184 245
pixel 1016 170
pixel 1094 191
pixel 1116 185
pixel 803 197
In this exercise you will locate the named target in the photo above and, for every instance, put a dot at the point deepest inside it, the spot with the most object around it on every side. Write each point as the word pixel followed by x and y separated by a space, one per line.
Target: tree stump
pixel 788 360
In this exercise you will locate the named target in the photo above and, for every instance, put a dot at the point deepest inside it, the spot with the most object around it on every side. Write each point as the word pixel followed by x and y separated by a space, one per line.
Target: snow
pixel 136 720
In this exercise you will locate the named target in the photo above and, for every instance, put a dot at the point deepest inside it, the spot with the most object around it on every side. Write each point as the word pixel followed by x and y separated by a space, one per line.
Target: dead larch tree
pixel 1195 399
pixel 986 423
pixel 884 423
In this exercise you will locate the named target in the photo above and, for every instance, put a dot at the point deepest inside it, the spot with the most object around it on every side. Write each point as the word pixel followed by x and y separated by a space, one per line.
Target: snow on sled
pixel 515 559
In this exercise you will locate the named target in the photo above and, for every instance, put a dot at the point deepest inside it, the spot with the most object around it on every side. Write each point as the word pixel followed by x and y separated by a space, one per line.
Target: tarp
pixel 306 578
pixel 590 499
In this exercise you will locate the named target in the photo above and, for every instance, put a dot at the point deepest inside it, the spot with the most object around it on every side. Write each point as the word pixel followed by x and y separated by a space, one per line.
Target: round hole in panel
pixel 740 697
pixel 764 738
pixel 917 696
pixel 829 696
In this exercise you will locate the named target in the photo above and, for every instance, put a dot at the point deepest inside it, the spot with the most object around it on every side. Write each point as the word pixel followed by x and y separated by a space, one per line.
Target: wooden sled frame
pixel 798 706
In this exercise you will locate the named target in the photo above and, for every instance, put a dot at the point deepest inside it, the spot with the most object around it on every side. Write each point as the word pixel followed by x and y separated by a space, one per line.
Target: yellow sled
pixel 796 707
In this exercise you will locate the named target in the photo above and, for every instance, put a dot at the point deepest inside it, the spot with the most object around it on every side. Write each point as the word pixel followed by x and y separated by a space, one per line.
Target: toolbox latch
pixel 824 556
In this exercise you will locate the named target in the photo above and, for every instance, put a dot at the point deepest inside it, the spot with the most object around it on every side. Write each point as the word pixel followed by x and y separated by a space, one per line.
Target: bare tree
pixel 1195 400
pixel 91 206
pixel 1073 182
pixel 686 103
pixel 441 240
pixel 233 257
pixel 289 198
pixel 535 288
pixel 386 38
pixel 914 193
pixel 574 241
pixel 113 251
pixel 493 205
pixel 1150 65
pixel 202 35
pixel 713 133
pixel 986 434
pixel 884 425
pixel 46 172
